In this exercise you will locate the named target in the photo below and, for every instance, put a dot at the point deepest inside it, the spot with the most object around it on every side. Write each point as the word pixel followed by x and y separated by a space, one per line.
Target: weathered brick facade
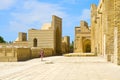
pixel 82 43
pixel 105 32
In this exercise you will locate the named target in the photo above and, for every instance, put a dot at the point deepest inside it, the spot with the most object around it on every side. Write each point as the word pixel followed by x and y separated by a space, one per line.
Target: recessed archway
pixel 86 46
pixel 34 42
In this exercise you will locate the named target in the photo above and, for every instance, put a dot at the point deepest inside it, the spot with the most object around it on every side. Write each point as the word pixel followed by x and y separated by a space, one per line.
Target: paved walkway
pixel 62 68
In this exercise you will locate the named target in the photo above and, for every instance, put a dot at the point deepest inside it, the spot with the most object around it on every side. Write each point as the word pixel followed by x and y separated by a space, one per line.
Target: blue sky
pixel 21 15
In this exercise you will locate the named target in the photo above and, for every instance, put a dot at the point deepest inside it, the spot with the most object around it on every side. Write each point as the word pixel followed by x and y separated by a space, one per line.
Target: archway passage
pixel 87 46
pixel 34 42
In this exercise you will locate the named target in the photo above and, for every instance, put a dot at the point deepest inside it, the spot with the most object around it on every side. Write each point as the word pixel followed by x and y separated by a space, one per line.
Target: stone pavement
pixel 61 68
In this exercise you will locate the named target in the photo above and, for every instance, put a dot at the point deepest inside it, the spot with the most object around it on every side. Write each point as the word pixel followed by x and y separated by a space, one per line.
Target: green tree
pixel 72 46
pixel 2 40
pixel 10 42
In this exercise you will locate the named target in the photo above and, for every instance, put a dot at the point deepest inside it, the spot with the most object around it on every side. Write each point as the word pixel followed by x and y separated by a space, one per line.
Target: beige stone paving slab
pixel 62 68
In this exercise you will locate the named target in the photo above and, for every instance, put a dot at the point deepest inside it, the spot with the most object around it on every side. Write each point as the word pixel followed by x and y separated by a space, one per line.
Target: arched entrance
pixel 34 42
pixel 86 46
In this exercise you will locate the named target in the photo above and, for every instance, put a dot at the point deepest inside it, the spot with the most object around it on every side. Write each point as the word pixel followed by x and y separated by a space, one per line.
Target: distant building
pixel 49 38
pixel 82 43
pixel 66 44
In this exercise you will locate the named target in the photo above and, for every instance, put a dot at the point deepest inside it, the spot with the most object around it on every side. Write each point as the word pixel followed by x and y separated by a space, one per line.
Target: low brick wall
pixel 48 52
pixel 2 52
pixel 14 54
pixel 23 54
pixel 35 52
pixel 8 54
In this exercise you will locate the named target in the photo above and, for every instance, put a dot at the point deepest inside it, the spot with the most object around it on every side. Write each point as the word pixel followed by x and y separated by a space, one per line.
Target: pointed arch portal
pixel 87 46
pixel 34 42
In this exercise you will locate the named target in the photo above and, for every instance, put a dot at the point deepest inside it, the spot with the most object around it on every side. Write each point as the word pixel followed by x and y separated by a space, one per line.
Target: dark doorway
pixel 88 48
pixel 34 42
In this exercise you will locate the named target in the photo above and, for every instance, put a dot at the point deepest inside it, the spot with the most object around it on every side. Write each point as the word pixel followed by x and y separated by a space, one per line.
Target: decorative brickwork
pixel 82 38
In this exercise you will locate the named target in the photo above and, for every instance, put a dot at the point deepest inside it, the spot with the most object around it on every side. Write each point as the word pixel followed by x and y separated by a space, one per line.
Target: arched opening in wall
pixel 87 46
pixel 34 42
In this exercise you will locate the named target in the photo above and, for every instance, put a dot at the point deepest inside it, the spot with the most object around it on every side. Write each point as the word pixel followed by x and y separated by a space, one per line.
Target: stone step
pixel 79 54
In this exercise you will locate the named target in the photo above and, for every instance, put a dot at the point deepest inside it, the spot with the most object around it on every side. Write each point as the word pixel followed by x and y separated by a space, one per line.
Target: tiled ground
pixel 61 68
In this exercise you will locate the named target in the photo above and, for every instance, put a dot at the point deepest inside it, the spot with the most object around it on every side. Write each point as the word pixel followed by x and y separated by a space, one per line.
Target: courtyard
pixel 60 68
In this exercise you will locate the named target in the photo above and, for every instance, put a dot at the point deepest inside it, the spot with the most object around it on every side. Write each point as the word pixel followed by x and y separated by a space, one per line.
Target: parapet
pixel 83 23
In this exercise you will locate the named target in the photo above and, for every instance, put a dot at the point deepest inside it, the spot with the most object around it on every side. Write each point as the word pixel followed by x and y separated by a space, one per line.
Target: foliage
pixel 2 40
pixel 71 46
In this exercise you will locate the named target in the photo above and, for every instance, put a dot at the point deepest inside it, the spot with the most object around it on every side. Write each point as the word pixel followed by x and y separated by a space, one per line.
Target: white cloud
pixel 6 4
pixel 15 26
pixel 75 20
pixel 85 14
pixel 69 1
pixel 33 14
pixel 28 14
